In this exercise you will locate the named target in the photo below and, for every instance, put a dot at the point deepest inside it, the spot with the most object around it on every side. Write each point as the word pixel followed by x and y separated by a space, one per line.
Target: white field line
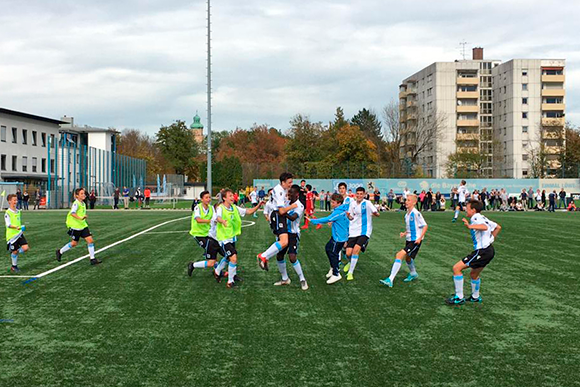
pixel 250 223
pixel 97 251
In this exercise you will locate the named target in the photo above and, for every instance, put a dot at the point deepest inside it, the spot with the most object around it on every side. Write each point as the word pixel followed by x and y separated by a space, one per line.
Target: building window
pixel 429 92
pixel 3 134
pixel 524 114
pixel 14 135
pixel 24 164
pixel 524 86
pixel 3 166
pixel 33 138
pixel 43 165
pixel 524 157
pixel 34 164
pixel 524 73
pixel 51 165
pixel 24 136
pixel 15 163
pixel 43 139
pixel 504 145
pixel 525 172
pixel 524 101
pixel 524 129
pixel 52 141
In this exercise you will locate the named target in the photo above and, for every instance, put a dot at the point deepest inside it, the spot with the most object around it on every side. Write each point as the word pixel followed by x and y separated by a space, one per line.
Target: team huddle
pixel 216 230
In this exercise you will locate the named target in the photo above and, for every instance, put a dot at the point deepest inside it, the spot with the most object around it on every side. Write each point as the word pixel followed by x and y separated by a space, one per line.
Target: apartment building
pixel 472 106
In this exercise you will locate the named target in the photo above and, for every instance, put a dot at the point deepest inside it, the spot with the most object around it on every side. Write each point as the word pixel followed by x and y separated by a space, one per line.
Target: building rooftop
pixel 30 116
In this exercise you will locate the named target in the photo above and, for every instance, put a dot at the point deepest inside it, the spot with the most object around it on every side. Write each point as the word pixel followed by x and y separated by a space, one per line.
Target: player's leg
pixel 232 269
pixel 456 213
pixel 298 269
pixel 347 255
pixel 333 252
pixel 475 284
pixel 69 245
pixel 458 297
pixel 281 261
pixel 91 248
pixel 402 254
pixel 353 261
pixel 204 243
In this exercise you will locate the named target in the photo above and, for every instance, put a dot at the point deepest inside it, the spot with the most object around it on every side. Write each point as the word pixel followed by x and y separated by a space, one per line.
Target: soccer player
pixel 415 233
pixel 309 205
pixel 347 199
pixel 462 194
pixel 229 219
pixel 203 229
pixel 340 224
pixel 76 221
pixel 360 213
pixel 483 233
pixel 254 199
pixel 15 240
pixel 294 214
pixel 278 221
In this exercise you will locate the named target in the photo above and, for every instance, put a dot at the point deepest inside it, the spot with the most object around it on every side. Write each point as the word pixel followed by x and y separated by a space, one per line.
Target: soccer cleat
pixel 411 277
pixel 189 268
pixel 14 269
pixel 218 277
pixel 283 282
pixel 333 279
pixel 58 255
pixel 95 261
pixel 473 299
pixel 454 300
pixel 329 274
pixel 304 285
pixel 262 262
pixel 349 277
pixel 237 278
pixel 230 285
pixel 346 267
pixel 453 220
pixel 318 226
pixel 387 282
pixel 305 227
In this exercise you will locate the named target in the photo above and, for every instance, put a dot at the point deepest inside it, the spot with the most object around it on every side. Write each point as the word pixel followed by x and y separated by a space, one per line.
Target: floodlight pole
pixel 209 182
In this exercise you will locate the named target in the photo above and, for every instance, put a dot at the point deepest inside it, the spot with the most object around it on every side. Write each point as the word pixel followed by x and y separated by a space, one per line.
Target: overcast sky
pixel 141 63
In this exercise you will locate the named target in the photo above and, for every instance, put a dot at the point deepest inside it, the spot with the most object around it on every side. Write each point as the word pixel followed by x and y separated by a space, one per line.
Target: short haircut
pixel 476 205
pixel 270 190
pixel 225 192
pixel 9 197
pixel 342 184
pixel 463 182
pixel 309 187
pixel 360 189
pixel 285 176
pixel 78 191
pixel 295 188
pixel 201 195
pixel 302 181
pixel 337 198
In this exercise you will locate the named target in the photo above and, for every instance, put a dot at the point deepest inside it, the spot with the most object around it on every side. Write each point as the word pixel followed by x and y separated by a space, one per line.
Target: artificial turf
pixel 138 319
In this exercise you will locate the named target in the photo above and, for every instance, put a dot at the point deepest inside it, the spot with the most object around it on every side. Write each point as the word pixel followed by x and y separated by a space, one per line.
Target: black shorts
pixel 210 246
pixel 278 223
pixel 76 235
pixel 17 244
pixel 292 248
pixel 411 248
pixel 479 258
pixel 362 241
pixel 228 249
pixel 461 205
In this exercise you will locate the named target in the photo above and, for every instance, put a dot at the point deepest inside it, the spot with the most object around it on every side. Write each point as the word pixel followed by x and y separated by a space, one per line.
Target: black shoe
pixel 218 277
pixel 189 268
pixel 95 261
pixel 454 300
pixel 230 285
pixel 237 278
pixel 473 299
pixel 58 255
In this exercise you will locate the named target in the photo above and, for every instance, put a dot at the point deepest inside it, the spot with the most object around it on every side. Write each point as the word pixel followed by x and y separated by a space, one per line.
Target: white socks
pixel 395 269
pixel 232 269
pixel 353 261
pixel 200 264
pixel 283 270
pixel 456 214
pixel 298 268
pixel 65 248
pixel 91 248
pixel 221 266
pixel 272 250
pixel 458 280
pixel 475 285
pixel 411 266
pixel 14 259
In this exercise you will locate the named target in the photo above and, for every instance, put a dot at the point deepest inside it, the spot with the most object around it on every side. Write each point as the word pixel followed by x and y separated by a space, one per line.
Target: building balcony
pixel 468 94
pixel 548 121
pixel 554 78
pixel 412 116
pixel 467 136
pixel 411 103
pixel 553 106
pixel 470 123
pixel 403 94
pixel 553 134
pixel 553 92
pixel 403 118
pixel 412 91
pixel 553 150
pixel 467 149
pixel 468 80
pixel 467 108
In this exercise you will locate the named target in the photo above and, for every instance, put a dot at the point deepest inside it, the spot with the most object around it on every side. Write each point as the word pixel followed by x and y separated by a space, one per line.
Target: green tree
pixel 371 127
pixel 179 148
pixel 465 164
pixel 353 146
pixel 570 159
pixel 304 141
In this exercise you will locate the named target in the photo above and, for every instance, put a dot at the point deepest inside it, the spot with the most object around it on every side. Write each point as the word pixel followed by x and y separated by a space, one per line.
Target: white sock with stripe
pixel 475 285
pixel 218 269
pixel 283 270
pixel 200 264
pixel 14 259
pixel 458 280
pixel 411 266
pixel 298 269
pixel 272 250
pixel 353 261
pixel 91 248
pixel 65 248
pixel 456 214
pixel 232 269
pixel 395 269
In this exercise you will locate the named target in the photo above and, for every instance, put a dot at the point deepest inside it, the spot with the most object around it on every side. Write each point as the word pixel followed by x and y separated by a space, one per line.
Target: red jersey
pixel 309 202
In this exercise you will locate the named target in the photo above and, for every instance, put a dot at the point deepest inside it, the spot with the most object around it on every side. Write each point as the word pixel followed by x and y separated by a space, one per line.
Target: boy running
pixel 483 232
pixel 462 197
pixel 76 221
pixel 278 221
pixel 309 205
pixel 15 241
pixel 229 218
pixel 254 199
pixel 340 224
pixel 361 212
pixel 415 232
pixel 203 229
pixel 294 214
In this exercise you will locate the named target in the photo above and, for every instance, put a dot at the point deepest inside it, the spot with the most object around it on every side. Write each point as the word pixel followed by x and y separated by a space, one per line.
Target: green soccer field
pixel 138 319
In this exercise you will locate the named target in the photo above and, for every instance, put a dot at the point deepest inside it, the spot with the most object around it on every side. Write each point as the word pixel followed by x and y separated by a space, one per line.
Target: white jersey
pixel 197 214
pixel 279 196
pixel 415 223
pixel 269 208
pixel 405 193
pixel 254 197
pixel 462 191
pixel 294 225
pixel 482 239
pixel 347 200
pixel 362 222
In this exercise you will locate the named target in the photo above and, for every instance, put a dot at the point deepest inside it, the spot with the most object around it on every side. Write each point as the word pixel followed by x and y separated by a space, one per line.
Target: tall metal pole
pixel 209 182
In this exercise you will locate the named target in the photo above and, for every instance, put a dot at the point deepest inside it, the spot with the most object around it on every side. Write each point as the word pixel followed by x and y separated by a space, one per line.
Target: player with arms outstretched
pixel 15 241
pixel 462 194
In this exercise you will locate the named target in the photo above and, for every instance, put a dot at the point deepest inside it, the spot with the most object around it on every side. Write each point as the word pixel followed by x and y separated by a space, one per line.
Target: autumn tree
pixel 304 141
pixel 134 143
pixel 179 148
pixel 371 127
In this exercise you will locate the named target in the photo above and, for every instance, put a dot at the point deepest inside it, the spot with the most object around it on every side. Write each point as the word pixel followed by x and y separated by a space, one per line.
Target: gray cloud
pixel 141 64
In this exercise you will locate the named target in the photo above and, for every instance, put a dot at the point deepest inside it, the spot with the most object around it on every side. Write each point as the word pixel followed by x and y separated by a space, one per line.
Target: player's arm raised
pixel 250 211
